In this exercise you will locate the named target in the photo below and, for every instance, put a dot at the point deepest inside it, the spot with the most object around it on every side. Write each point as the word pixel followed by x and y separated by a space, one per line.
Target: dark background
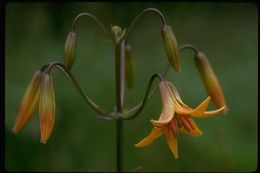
pixel 227 33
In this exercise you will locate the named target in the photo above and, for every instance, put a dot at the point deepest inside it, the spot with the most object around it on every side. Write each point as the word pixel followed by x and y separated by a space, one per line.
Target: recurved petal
pixel 155 133
pixel 29 101
pixel 211 113
pixel 172 142
pixel 194 130
pixel 161 123
pixel 200 110
pixel 47 108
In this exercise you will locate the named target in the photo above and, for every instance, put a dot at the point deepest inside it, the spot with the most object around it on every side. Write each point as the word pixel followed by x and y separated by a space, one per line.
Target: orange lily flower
pixel 175 117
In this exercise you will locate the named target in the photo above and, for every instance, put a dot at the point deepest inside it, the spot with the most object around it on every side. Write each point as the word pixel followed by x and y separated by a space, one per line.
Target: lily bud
pixel 129 66
pixel 171 47
pixel 46 108
pixel 29 101
pixel 210 80
pixel 69 50
pixel 118 33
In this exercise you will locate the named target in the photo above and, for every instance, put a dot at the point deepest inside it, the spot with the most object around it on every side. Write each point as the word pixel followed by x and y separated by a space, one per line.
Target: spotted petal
pixel 199 110
pixel 210 113
pixel 155 133
pixel 172 142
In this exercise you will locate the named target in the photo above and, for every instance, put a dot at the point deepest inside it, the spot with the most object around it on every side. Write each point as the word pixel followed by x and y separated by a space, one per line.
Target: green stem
pixel 120 88
pixel 140 14
pixel 92 17
pixel 149 93
pixel 188 46
pixel 181 48
pixel 120 74
pixel 140 106
pixel 102 113
pixel 119 145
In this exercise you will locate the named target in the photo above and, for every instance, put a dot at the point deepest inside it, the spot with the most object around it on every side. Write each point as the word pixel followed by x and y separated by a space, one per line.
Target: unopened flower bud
pixel 118 33
pixel 171 47
pixel 210 80
pixel 46 108
pixel 29 101
pixel 129 66
pixel 70 50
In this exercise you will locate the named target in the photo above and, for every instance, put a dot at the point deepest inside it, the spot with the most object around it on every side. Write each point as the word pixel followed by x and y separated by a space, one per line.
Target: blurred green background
pixel 227 33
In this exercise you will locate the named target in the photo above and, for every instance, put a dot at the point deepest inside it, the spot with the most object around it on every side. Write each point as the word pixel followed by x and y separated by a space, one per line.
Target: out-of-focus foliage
pixel 226 33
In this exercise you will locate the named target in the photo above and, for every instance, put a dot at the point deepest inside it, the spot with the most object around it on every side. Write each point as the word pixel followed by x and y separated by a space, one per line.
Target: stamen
pixel 178 121
pixel 185 122
pixel 187 117
pixel 174 127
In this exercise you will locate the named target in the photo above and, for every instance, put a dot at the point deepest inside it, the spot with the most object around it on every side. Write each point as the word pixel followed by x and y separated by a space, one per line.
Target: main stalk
pixel 120 87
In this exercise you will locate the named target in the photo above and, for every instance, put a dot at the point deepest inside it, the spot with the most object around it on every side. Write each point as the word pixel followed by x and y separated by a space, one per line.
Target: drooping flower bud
pixel 118 33
pixel 29 101
pixel 171 47
pixel 210 80
pixel 46 108
pixel 129 66
pixel 70 50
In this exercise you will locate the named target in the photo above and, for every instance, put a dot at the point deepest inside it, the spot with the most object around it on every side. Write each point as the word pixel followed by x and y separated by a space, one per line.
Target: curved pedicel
pixel 92 17
pixel 140 14
pixel 209 78
pixel 102 112
pixel 138 108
